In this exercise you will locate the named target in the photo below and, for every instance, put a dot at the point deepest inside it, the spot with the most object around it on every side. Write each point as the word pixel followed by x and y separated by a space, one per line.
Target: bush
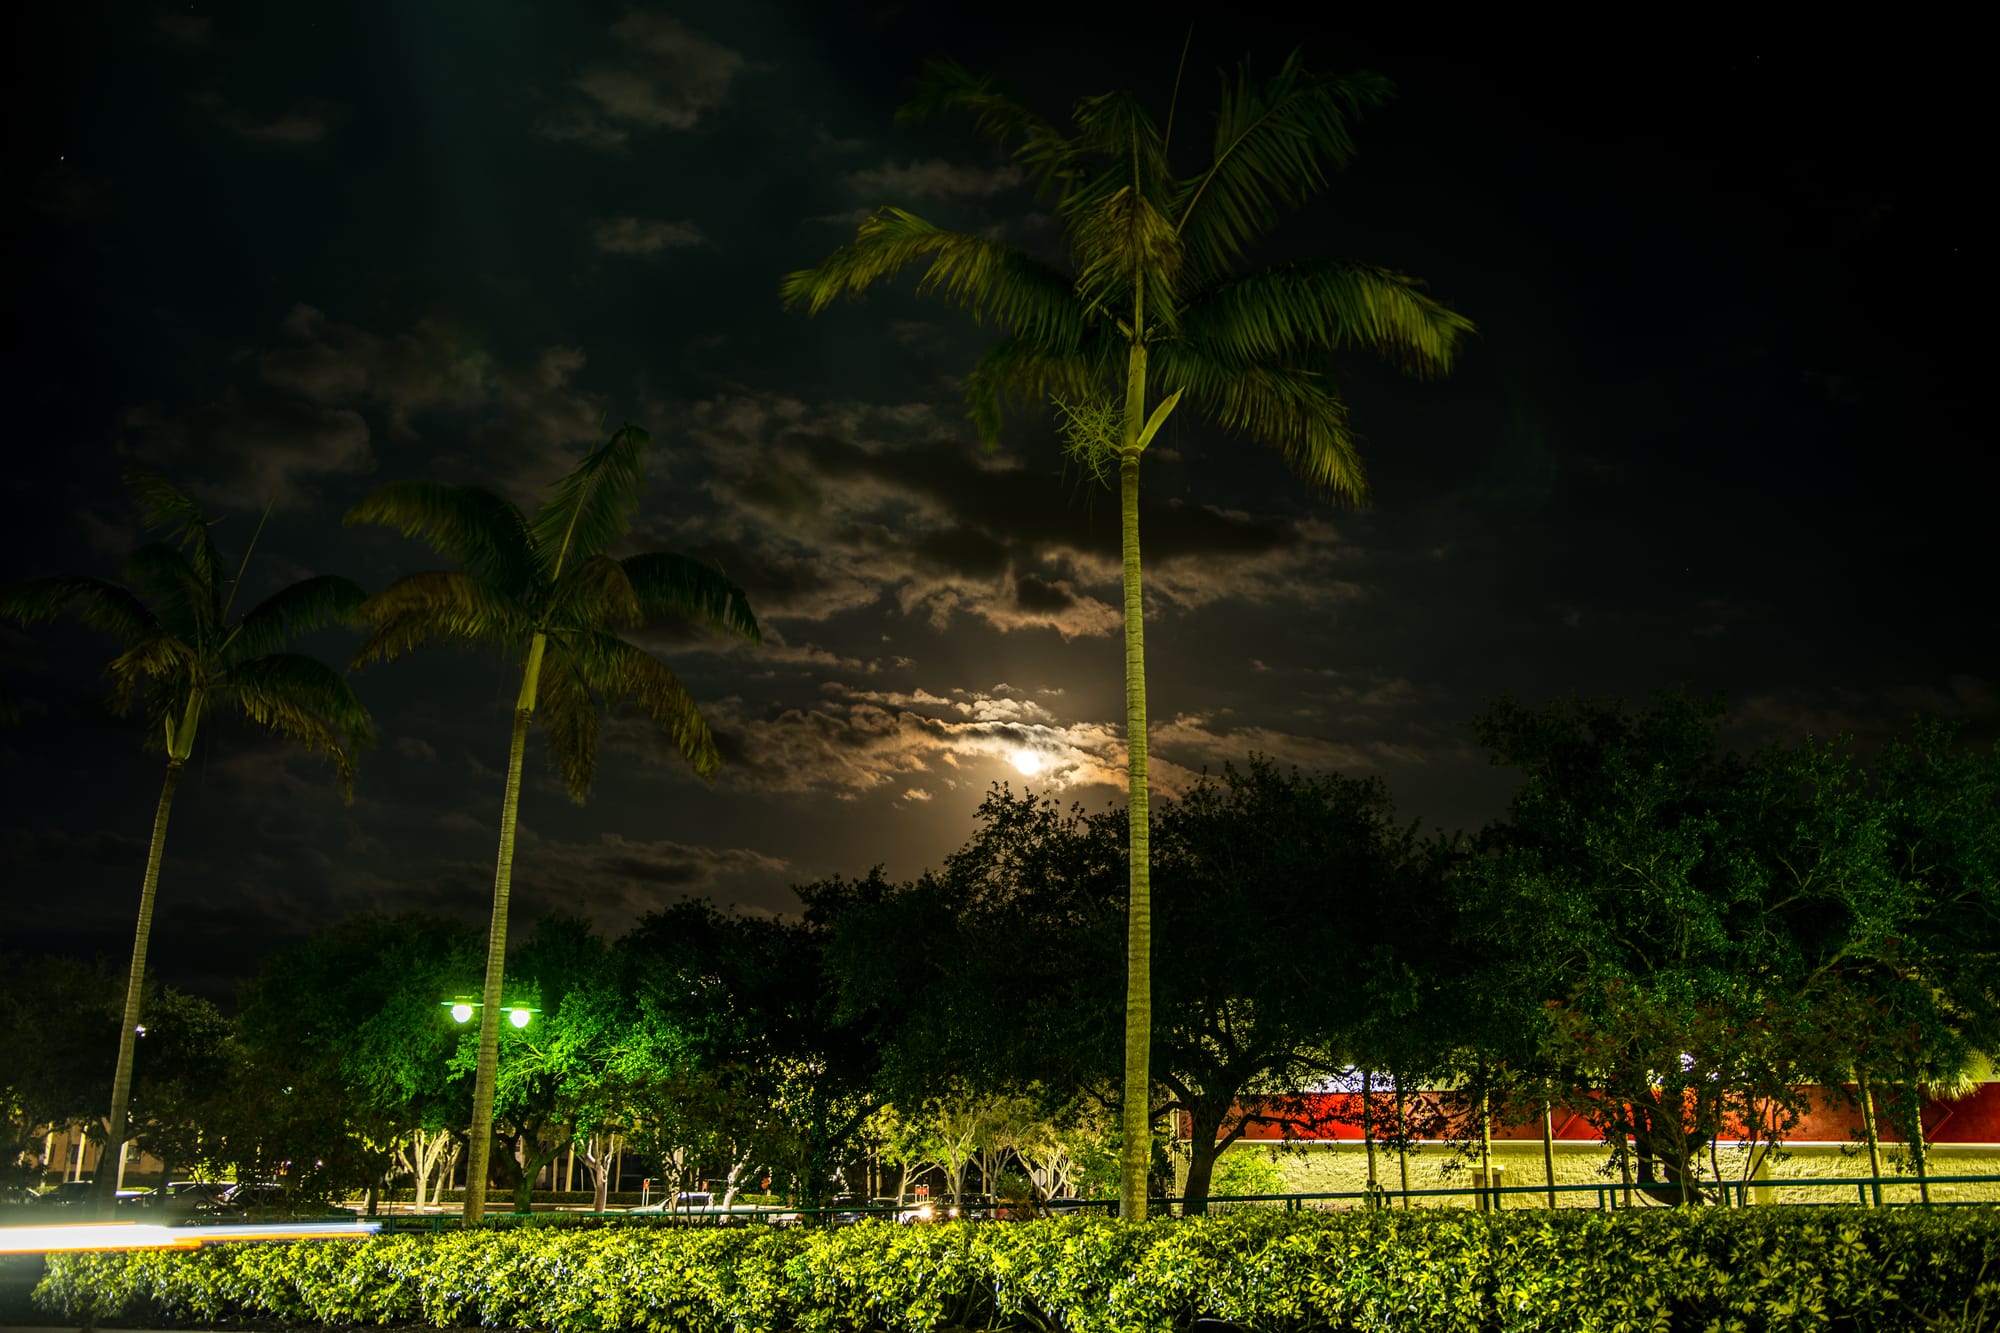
pixel 1641 1272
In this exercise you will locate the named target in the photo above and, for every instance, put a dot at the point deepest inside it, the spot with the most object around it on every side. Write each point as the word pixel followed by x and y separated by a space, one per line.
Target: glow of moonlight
pixel 1027 761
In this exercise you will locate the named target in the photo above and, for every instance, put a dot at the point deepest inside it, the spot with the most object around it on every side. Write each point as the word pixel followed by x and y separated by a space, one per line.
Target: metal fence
pixel 1878 1191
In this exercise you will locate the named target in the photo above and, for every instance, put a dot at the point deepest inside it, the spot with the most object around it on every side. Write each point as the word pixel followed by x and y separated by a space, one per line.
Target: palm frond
pixel 301 608
pixel 1274 143
pixel 615 669
pixel 157 658
pixel 569 710
pixel 184 602
pixel 166 508
pixel 595 592
pixel 591 508
pixel 439 604
pixel 673 586
pixel 994 281
pixel 480 530
pixel 1116 128
pixel 946 85
pixel 1295 309
pixel 307 702
pixel 1119 242
pixel 98 603
pixel 1288 408
pixel 1019 371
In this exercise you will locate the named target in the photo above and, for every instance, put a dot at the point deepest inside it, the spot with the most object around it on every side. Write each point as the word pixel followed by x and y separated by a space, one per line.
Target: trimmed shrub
pixel 1388 1272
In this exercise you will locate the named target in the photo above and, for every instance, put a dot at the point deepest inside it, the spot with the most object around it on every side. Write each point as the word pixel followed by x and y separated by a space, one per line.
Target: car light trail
pixel 153 1236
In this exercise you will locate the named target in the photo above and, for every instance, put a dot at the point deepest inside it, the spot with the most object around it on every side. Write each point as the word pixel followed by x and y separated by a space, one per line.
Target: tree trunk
pixel 1368 1133
pixel 1489 1199
pixel 481 1138
pixel 1874 1138
pixel 1203 1153
pixel 534 1159
pixel 135 982
pixel 1402 1141
pixel 1135 1147
pixel 1919 1150
pixel 1549 1148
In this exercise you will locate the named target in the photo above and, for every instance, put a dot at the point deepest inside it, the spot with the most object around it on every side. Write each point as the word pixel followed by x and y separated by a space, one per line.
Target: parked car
pixel 699 1206
pixel 68 1194
pixel 183 1200
pixel 851 1208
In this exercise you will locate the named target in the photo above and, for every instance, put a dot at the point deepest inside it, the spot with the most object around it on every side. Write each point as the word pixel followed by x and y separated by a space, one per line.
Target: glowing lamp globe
pixel 462 1012
pixel 518 1017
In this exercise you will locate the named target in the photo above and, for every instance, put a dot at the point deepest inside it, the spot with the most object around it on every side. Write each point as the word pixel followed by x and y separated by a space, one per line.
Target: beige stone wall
pixel 1318 1168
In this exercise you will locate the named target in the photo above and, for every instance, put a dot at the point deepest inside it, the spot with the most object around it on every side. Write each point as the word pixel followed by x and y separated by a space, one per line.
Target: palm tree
pixel 184 655
pixel 1153 288
pixel 542 587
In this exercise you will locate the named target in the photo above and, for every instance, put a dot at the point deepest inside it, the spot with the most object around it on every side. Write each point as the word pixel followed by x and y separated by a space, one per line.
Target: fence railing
pixel 1881 1191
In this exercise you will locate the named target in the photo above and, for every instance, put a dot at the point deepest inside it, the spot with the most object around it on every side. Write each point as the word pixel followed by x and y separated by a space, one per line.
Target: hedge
pixel 1710 1271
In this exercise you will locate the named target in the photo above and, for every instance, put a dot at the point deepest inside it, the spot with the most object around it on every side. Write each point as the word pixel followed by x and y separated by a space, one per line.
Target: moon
pixel 1027 761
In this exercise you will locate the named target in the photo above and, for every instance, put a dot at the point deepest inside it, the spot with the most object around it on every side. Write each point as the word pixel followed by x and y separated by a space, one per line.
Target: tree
pixel 1152 295
pixel 1674 920
pixel 544 588
pixel 765 1061
pixel 1274 885
pixel 57 1016
pixel 183 655
pixel 348 1055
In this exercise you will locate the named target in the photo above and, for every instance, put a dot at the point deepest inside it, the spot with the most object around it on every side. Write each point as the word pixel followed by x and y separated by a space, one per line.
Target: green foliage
pixel 1447 1272
pixel 1248 1170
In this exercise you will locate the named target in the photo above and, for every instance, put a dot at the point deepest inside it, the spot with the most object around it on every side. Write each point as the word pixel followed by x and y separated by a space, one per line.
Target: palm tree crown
pixel 182 653
pixel 1153 262
pixel 523 576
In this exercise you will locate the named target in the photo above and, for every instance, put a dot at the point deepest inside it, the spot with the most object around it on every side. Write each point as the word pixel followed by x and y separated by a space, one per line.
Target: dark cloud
pixel 663 76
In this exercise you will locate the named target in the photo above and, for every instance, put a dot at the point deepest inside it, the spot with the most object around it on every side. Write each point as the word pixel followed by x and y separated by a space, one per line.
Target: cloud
pixel 850 746
pixel 617 879
pixel 644 236
pixel 665 76
pixel 429 367
pixel 194 31
pixel 1211 739
pixel 934 178
pixel 1870 715
pixel 827 509
pixel 301 126
pixel 250 452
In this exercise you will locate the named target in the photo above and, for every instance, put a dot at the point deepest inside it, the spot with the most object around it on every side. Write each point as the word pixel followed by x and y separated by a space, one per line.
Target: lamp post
pixel 462 1010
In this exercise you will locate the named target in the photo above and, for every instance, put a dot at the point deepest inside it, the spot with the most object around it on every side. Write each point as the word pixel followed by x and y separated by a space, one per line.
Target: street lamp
pixel 520 1015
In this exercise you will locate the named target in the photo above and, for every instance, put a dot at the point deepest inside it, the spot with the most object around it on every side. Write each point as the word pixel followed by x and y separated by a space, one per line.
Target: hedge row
pixel 1767 1268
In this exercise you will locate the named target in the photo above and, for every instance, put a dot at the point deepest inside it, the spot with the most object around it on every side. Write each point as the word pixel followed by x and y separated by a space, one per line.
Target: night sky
pixel 1717 430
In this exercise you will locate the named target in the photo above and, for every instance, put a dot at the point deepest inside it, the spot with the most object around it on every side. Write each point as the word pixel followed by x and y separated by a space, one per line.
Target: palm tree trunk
pixel 480 1145
pixel 128 1032
pixel 1135 1149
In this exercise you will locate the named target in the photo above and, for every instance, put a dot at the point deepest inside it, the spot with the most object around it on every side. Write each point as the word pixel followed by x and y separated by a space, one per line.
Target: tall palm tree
pixel 1151 296
pixel 183 655
pixel 543 587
